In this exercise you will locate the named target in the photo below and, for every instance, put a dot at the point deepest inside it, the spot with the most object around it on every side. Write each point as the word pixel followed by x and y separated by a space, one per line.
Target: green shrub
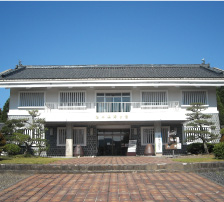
pixel 12 149
pixel 210 147
pixel 195 148
pixel 219 150
pixel 198 148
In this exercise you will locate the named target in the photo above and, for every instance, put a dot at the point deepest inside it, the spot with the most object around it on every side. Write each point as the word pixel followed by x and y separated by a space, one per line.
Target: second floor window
pixel 113 102
pixel 72 98
pixel 154 98
pixel 189 97
pixel 31 99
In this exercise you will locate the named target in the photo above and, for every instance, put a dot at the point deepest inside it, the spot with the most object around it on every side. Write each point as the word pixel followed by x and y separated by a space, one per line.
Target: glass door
pixel 108 142
pixel 113 142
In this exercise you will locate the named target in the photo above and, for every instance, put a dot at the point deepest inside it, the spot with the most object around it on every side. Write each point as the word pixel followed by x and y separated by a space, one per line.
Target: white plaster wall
pixel 174 94
pixel 14 99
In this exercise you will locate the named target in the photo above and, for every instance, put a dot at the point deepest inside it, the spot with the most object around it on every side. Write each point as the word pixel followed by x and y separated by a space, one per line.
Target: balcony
pixel 105 107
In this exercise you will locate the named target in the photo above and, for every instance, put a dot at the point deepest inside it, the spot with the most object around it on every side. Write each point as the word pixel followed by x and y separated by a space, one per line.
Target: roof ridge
pixel 112 65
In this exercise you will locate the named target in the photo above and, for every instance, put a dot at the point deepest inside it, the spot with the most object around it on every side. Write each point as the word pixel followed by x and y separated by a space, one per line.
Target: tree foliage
pixel 2 142
pixel 199 126
pixel 220 104
pixel 37 127
pixel 16 132
pixel 4 112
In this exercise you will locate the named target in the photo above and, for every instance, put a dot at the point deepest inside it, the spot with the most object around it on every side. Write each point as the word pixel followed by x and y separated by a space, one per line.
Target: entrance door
pixel 113 142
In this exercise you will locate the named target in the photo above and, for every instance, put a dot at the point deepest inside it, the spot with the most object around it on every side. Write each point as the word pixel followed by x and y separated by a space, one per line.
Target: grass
pixel 27 160
pixel 197 159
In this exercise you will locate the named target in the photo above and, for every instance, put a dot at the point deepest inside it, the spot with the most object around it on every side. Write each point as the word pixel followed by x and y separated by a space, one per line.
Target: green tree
pixel 199 124
pixel 4 112
pixel 37 127
pixel 2 142
pixel 220 104
pixel 13 130
pixel 27 133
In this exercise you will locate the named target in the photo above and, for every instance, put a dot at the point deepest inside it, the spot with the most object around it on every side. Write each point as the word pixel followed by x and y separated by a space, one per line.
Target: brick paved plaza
pixel 114 187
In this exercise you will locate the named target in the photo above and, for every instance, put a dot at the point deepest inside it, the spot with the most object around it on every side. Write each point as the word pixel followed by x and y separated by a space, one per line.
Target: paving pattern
pixel 122 160
pixel 114 187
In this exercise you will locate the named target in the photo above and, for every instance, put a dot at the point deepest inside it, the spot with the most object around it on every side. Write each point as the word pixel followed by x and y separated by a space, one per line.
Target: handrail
pixel 111 106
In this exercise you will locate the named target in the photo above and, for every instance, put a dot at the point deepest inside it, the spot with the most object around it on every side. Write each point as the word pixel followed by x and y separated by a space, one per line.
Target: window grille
pixel 72 98
pixel 164 131
pixel 79 136
pixel 61 139
pixel 189 97
pixel 193 135
pixel 154 98
pixel 35 135
pixel 31 99
pixel 147 135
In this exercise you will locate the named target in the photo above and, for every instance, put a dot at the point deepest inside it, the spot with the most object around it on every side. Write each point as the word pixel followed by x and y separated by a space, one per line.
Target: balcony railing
pixel 101 107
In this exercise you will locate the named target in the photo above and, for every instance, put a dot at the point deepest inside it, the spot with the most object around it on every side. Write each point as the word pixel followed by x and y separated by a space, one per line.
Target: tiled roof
pixel 112 72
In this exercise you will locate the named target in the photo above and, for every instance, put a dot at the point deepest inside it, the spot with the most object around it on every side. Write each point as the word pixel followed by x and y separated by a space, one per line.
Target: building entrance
pixel 113 142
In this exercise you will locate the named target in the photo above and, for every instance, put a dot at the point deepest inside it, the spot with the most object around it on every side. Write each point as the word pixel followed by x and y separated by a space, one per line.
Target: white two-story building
pixel 102 107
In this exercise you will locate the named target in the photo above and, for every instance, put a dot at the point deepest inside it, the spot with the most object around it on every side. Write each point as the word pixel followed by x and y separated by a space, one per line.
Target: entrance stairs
pixel 113 164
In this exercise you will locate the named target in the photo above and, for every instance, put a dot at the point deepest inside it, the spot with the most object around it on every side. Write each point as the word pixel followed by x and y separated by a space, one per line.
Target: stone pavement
pixel 118 160
pixel 114 187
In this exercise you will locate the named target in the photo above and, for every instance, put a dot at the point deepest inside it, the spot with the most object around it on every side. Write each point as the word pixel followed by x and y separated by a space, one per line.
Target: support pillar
pixel 69 141
pixel 158 138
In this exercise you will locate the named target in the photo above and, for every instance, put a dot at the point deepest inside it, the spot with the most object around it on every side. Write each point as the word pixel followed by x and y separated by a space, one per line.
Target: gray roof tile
pixel 112 72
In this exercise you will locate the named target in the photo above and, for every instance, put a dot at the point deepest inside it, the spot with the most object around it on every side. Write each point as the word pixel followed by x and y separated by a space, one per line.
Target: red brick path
pixel 123 160
pixel 114 187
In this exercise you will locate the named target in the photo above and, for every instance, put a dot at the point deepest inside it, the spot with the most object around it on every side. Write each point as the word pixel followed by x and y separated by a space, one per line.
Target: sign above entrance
pixel 111 117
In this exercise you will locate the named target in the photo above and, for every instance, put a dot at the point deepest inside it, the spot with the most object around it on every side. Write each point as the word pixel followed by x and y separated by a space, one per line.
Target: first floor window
pixel 79 136
pixel 165 130
pixel 147 135
pixel 61 136
pixel 31 99
pixel 191 135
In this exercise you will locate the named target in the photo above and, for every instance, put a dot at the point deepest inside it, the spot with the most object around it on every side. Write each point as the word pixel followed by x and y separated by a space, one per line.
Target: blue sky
pixel 66 33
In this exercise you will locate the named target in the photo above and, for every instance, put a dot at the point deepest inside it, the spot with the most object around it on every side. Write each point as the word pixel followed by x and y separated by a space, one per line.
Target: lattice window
pixel 189 97
pixel 72 98
pixel 147 135
pixel 154 98
pixel 31 99
pixel 35 134
pixel 194 134
pixel 61 136
pixel 79 136
pixel 164 131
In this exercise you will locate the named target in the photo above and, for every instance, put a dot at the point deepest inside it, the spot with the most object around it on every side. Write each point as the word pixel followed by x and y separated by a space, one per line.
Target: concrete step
pixel 163 167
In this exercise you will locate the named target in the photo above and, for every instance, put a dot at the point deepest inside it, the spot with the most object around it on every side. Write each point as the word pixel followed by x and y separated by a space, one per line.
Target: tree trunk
pixel 205 147
pixel 28 149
